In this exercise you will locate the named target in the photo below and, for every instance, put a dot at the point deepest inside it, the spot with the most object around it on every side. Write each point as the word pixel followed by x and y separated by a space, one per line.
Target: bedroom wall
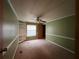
pixel 22 31
pixel 62 32
pixel 10 31
pixel 40 31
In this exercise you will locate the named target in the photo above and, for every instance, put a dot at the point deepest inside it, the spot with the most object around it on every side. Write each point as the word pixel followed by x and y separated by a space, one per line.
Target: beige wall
pixel 40 32
pixel 22 31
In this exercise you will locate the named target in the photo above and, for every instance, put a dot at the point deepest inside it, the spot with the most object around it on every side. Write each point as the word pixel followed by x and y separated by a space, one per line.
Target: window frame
pixel 31 30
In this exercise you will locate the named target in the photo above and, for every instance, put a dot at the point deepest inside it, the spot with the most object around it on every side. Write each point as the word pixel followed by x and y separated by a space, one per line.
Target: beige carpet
pixel 41 49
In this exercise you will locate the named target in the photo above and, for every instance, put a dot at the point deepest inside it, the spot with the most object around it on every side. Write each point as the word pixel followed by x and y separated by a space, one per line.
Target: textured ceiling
pixel 28 10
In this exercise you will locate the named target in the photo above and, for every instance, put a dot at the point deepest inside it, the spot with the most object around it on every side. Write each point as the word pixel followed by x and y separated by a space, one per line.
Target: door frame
pixel 1 27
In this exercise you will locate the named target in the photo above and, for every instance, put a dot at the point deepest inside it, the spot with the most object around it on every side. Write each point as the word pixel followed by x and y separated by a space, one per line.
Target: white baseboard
pixel 15 51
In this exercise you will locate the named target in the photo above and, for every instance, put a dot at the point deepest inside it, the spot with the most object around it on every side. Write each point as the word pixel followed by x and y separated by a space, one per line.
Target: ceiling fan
pixel 40 20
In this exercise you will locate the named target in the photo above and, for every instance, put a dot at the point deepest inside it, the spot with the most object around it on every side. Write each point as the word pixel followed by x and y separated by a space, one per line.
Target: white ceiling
pixel 28 10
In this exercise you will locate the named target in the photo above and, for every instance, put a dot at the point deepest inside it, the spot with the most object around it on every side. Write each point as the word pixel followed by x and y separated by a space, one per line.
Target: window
pixel 31 30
